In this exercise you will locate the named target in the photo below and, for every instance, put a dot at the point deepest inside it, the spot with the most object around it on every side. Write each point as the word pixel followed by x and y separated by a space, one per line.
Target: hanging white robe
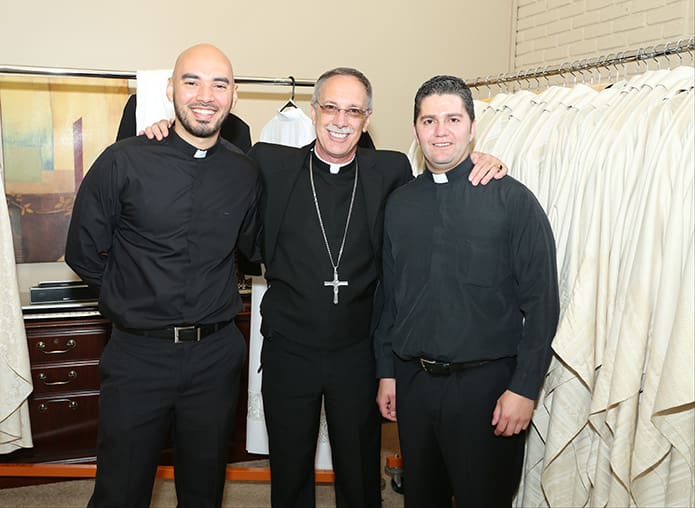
pixel 614 170
pixel 290 127
pixel 15 369
pixel 153 104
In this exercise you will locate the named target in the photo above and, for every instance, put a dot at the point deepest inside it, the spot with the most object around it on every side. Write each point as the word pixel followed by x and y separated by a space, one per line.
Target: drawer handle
pixel 41 346
pixel 71 375
pixel 43 407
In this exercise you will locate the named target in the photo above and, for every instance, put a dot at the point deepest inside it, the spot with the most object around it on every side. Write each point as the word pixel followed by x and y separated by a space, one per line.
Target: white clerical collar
pixel 333 167
pixel 440 178
pixel 188 149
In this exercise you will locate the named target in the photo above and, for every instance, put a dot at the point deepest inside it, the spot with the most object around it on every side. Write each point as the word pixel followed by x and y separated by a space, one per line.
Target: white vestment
pixel 15 369
pixel 291 127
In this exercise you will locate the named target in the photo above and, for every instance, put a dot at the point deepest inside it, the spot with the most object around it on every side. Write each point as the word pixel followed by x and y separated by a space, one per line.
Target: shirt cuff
pixel 385 368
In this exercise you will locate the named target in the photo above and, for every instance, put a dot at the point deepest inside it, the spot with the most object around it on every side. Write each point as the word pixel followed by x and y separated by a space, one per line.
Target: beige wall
pixel 397 43
pixel 557 31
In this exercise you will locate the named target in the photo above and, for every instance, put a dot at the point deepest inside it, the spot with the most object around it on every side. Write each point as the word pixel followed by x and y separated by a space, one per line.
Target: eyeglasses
pixel 333 110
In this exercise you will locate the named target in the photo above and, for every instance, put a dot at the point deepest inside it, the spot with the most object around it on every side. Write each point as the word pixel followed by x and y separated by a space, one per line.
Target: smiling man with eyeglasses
pixel 322 211
pixel 341 111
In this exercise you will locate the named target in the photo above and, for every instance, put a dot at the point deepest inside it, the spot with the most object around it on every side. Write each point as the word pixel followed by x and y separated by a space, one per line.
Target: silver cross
pixel 336 284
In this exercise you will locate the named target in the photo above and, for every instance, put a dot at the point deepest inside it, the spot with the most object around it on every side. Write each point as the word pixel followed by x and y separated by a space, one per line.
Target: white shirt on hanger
pixel 291 127
pixel 153 104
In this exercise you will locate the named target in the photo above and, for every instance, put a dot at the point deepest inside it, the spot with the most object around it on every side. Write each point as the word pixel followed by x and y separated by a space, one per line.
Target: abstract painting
pixel 52 130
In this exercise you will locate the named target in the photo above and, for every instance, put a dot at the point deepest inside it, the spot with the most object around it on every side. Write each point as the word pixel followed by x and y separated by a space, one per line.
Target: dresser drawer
pixel 64 422
pixel 65 377
pixel 62 345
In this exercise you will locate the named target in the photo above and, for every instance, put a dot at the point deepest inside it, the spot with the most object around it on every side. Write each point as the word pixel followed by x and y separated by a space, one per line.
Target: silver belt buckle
pixel 178 329
pixel 426 364
pixel 434 367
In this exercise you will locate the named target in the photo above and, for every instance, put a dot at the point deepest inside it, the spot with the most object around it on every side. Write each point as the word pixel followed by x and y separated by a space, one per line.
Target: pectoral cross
pixel 336 284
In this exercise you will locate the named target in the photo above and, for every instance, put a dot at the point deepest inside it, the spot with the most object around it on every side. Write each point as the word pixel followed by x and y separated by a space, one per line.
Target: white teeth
pixel 206 112
pixel 341 135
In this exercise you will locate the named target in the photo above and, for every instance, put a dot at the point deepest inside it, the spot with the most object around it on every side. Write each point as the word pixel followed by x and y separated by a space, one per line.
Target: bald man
pixel 154 226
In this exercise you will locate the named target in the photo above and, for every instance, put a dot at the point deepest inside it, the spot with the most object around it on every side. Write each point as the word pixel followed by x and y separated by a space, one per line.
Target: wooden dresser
pixel 64 353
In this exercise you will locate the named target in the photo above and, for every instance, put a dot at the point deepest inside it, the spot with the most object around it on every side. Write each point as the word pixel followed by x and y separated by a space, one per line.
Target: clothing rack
pixel 112 74
pixel 613 59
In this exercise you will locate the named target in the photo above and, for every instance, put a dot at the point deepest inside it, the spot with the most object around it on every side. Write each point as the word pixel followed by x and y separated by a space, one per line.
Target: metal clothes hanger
pixel 487 84
pixel 290 103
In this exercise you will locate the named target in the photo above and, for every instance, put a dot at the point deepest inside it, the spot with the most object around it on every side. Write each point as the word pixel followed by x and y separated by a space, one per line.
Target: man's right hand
pixel 158 130
pixel 386 398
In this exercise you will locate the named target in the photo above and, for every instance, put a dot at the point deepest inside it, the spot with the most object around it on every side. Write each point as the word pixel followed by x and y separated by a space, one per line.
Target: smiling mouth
pixel 204 113
pixel 339 135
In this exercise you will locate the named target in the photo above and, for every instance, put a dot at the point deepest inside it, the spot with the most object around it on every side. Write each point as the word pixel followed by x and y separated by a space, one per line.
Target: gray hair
pixel 343 71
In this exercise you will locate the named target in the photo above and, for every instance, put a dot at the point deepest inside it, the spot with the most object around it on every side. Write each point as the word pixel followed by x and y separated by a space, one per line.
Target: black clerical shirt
pixel 469 274
pixel 154 226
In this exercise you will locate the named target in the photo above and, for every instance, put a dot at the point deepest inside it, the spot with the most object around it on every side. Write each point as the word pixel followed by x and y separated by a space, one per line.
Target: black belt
pixel 182 333
pixel 446 368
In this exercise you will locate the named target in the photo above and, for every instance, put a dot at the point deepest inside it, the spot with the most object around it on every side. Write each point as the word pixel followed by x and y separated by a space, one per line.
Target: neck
pixel 329 159
pixel 335 166
pixel 198 142
pixel 441 170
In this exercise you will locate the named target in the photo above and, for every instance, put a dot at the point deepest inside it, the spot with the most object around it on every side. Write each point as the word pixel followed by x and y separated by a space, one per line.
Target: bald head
pixel 204 54
pixel 203 92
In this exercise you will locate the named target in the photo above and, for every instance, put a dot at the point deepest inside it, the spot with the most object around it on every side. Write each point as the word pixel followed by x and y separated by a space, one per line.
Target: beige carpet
pixel 75 494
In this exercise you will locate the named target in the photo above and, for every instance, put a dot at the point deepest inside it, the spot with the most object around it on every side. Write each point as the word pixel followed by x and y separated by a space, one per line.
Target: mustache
pixel 210 105
pixel 340 130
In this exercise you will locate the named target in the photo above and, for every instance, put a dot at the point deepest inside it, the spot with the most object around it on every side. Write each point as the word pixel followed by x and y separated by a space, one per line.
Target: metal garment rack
pixel 607 61
pixel 111 74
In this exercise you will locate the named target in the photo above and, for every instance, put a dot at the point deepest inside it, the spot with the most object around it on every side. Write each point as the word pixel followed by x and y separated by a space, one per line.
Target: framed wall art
pixel 51 131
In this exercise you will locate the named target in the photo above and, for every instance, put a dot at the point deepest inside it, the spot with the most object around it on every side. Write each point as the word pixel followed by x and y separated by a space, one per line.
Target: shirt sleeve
pixel 383 344
pixel 535 268
pixel 249 241
pixel 93 220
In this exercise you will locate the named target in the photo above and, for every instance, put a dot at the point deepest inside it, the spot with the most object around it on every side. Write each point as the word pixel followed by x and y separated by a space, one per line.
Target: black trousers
pixel 295 378
pixel 150 386
pixel 447 439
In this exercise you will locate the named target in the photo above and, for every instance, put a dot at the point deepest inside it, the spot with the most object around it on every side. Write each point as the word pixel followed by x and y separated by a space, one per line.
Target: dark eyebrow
pixel 446 115
pixel 190 75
